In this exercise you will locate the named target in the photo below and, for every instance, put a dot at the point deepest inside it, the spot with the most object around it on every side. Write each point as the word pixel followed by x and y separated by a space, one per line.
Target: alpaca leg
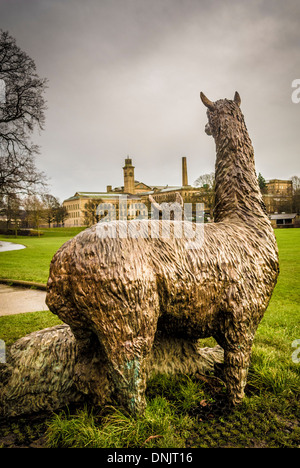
pixel 91 367
pixel 127 361
pixel 237 345
pixel 236 365
pixel 127 341
pixel 128 373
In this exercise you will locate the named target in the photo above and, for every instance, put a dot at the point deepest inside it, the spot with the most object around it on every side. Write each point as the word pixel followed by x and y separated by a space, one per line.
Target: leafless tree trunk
pixel 22 108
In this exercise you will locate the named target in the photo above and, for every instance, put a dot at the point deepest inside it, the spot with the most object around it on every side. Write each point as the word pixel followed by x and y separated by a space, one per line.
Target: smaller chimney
pixel 184 172
pixel 108 188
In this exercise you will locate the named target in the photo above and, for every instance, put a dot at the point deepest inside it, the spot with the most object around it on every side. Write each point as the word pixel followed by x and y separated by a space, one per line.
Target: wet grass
pixel 13 327
pixel 193 417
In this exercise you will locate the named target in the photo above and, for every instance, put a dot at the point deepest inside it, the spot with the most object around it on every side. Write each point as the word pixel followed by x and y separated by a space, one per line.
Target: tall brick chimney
pixel 184 172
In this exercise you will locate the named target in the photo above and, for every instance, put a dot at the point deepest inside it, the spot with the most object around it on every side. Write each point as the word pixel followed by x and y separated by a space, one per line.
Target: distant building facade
pixel 136 193
pixel 277 196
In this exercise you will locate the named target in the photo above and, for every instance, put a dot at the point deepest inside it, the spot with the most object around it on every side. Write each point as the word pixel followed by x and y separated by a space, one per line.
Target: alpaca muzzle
pixel 207 129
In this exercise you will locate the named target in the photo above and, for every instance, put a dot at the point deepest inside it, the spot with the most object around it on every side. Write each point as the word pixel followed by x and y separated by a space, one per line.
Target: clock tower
pixel 129 185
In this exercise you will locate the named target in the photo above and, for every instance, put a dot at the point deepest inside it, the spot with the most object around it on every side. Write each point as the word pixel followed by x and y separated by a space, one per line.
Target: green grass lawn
pixel 184 411
pixel 32 263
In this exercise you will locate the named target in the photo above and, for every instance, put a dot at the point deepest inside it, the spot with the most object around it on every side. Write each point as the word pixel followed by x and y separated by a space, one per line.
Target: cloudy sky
pixel 125 76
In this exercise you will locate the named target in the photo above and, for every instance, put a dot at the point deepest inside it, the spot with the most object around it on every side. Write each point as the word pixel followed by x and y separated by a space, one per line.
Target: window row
pixel 73 207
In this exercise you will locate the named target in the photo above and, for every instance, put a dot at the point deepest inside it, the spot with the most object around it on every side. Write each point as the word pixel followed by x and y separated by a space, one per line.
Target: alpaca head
pixel 219 111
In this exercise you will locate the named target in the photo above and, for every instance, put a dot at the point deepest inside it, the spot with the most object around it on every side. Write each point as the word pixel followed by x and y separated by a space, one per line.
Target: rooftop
pixel 102 195
pixel 283 216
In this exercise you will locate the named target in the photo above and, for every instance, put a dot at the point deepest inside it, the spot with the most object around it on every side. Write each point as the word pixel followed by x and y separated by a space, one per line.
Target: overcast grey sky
pixel 125 76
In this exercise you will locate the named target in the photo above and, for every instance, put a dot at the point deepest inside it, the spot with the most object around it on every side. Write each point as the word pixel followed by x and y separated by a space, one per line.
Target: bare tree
pixel 90 212
pixel 22 111
pixel 51 205
pixel 296 194
pixel 61 214
pixel 55 212
pixel 206 183
pixel 12 211
pixel 35 211
pixel 296 183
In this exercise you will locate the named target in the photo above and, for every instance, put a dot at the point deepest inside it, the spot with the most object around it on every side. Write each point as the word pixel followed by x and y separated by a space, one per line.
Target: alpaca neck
pixel 238 196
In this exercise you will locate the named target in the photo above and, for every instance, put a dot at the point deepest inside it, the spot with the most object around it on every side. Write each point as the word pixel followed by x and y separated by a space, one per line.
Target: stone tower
pixel 184 173
pixel 129 186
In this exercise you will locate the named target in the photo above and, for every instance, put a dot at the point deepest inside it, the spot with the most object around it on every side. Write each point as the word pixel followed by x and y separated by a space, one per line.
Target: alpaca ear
pixel 154 203
pixel 237 98
pixel 179 199
pixel 210 105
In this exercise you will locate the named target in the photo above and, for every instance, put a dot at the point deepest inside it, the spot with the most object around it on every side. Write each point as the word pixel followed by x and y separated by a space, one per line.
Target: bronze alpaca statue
pixel 118 294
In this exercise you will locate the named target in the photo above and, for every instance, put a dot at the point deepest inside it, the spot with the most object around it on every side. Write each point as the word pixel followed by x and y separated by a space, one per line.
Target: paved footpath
pixel 16 300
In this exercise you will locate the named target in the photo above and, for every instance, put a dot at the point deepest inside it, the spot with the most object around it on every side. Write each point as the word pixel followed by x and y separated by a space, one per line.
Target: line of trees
pixel 31 211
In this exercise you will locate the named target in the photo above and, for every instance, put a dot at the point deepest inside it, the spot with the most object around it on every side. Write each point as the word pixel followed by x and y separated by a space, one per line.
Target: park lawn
pixel 183 411
pixel 13 327
pixel 282 318
pixel 32 263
